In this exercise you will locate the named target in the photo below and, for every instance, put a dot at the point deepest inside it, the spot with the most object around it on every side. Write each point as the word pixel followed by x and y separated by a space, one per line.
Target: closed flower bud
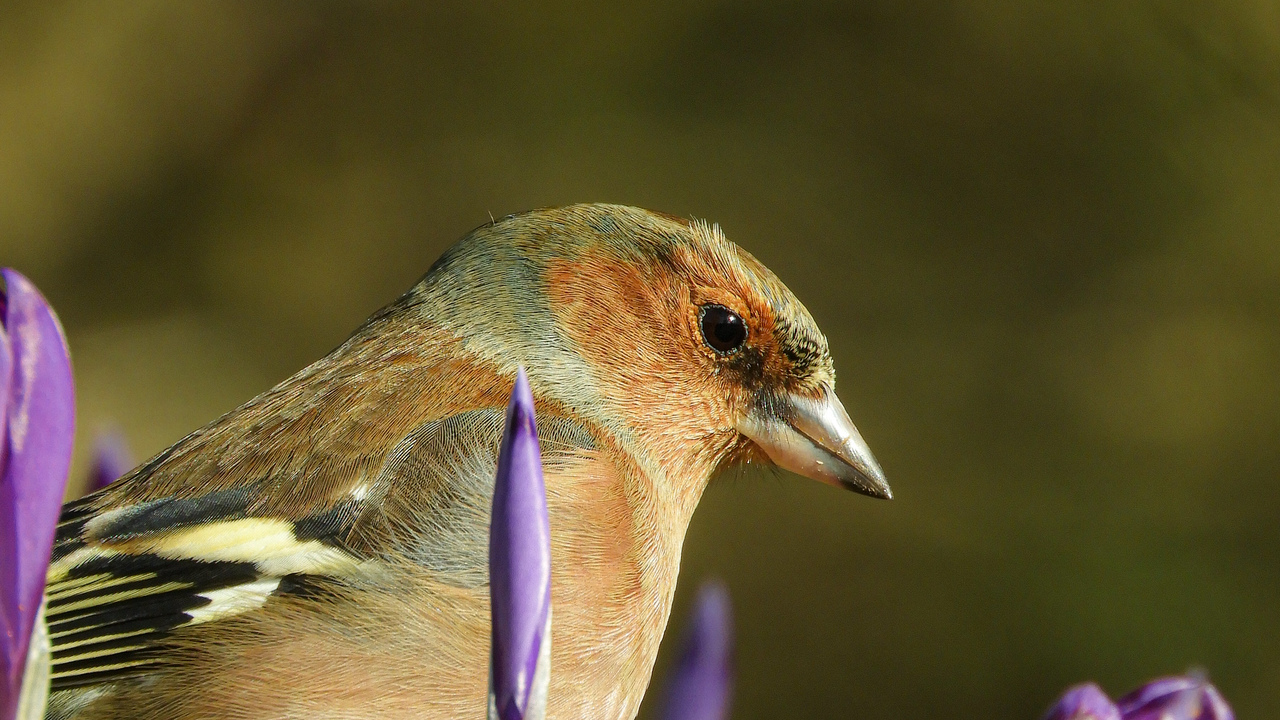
pixel 37 414
pixel 111 460
pixel 519 569
pixel 701 683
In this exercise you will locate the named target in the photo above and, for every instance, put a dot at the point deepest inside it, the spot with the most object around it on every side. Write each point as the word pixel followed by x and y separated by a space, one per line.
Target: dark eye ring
pixel 723 329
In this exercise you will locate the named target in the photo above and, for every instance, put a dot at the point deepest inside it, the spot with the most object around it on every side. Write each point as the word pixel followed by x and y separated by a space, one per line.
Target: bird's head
pixel 682 344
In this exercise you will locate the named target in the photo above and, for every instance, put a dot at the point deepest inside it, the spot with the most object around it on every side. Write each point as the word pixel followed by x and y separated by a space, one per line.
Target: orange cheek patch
pixel 633 329
pixel 607 308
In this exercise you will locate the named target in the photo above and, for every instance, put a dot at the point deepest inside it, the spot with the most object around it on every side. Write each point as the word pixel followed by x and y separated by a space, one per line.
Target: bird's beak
pixel 814 437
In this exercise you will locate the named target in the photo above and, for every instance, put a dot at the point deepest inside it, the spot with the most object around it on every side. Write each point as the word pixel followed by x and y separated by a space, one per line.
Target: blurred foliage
pixel 1044 239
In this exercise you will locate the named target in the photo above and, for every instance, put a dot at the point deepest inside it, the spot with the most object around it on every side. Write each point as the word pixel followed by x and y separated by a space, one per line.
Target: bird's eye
pixel 722 328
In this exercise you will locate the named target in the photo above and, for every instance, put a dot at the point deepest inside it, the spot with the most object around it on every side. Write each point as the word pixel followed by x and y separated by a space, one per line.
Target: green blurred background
pixel 1043 238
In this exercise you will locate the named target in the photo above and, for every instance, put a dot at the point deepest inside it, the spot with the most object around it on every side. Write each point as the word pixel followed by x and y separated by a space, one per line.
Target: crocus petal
pixel 111 459
pixel 519 569
pixel 1084 702
pixel 1176 698
pixel 9 688
pixel 39 419
pixel 701 683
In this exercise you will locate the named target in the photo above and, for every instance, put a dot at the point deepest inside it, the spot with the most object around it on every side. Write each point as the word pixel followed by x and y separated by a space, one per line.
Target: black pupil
pixel 722 328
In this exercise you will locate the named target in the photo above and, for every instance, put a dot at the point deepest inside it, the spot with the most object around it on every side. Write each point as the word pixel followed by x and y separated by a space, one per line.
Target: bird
pixel 321 550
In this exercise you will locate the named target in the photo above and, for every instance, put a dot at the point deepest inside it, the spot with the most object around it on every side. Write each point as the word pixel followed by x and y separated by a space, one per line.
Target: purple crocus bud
pixel 37 416
pixel 111 459
pixel 1176 698
pixel 701 683
pixel 519 570
pixel 1083 702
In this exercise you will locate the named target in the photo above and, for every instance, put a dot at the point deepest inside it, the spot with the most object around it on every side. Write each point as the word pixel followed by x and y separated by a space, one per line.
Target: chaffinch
pixel 320 552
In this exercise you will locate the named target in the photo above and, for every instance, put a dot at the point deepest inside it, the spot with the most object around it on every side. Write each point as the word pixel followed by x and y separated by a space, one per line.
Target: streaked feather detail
pixel 111 603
